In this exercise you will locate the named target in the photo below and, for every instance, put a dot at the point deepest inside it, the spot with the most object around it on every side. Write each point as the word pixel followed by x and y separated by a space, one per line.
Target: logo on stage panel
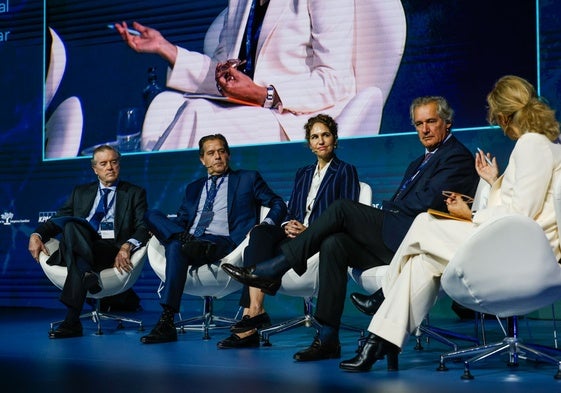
pixel 44 216
pixel 7 218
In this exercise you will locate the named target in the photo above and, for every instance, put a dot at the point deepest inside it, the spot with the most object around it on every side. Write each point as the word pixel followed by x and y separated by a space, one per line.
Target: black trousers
pixel 347 234
pixel 82 250
pixel 264 243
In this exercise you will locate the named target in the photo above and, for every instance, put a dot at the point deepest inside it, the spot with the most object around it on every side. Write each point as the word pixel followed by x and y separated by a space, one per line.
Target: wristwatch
pixel 269 101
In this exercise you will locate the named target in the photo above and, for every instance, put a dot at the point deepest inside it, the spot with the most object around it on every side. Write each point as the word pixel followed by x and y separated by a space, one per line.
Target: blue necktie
pixel 101 209
pixel 411 178
pixel 207 213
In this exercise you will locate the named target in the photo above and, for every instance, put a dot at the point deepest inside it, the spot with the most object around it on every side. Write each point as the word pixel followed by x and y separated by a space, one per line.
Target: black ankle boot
pixel 368 304
pixel 373 349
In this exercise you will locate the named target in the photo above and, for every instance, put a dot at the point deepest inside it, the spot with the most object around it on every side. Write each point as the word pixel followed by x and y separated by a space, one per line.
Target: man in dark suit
pixel 359 236
pixel 216 214
pixel 101 225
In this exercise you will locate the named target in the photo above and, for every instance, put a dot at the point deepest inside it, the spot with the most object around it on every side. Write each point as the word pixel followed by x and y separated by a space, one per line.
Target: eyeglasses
pixel 450 194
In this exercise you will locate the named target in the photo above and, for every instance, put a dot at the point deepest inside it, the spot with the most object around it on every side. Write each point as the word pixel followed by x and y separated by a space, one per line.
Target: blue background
pixel 455 49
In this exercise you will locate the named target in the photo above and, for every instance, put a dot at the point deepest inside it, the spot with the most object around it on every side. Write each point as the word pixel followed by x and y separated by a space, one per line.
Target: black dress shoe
pixel 163 332
pixel 368 304
pixel 373 349
pixel 246 276
pixel 319 351
pixel 248 323
pixel 90 280
pixel 235 341
pixel 66 330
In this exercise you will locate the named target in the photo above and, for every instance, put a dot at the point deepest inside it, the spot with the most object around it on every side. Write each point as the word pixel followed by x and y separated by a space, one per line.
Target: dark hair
pixel 104 148
pixel 210 138
pixel 326 120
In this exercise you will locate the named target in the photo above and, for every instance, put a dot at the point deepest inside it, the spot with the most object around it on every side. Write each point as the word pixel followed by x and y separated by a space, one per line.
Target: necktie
pixel 101 209
pixel 207 213
pixel 252 32
pixel 410 179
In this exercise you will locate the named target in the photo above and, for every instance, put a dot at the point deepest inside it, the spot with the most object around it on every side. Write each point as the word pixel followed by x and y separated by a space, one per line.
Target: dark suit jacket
pixel 340 182
pixel 130 207
pixel 247 192
pixel 451 168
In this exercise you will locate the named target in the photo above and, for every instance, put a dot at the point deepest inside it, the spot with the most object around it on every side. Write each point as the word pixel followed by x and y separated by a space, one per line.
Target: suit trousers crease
pixel 83 250
pixel 412 283
pixel 347 234
pixel 264 244
pixel 177 263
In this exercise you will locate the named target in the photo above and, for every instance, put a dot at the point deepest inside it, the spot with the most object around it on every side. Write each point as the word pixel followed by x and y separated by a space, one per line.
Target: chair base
pixel 306 320
pixel 206 321
pixel 510 345
pixel 96 316
pixel 444 336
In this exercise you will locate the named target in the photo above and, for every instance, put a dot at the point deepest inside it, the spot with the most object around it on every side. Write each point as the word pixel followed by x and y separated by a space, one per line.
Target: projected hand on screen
pixel 300 62
pixel 233 83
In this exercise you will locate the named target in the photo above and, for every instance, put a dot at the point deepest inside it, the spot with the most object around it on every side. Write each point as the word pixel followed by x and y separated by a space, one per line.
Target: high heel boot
pixel 373 349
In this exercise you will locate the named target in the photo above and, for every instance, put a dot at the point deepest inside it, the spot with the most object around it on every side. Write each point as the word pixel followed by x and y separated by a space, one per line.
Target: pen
pixel 131 31
pixel 486 158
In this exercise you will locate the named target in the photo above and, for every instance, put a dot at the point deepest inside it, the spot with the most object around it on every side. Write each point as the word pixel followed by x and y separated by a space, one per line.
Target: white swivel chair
pixel 506 268
pixel 207 281
pixel 379 44
pixel 306 287
pixel 112 283
pixel 63 129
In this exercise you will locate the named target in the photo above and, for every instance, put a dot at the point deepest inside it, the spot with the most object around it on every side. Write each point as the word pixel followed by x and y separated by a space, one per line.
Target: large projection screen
pixel 405 49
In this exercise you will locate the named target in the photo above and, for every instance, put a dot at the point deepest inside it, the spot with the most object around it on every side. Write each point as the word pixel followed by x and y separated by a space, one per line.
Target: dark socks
pixel 328 334
pixel 72 315
pixel 272 268
pixel 168 314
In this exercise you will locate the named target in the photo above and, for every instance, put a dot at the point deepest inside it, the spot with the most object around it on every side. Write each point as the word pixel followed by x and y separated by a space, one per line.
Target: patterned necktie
pixel 101 209
pixel 207 213
pixel 408 181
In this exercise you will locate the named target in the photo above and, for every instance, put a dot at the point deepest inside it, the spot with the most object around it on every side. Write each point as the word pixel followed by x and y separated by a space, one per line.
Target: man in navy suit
pixel 216 214
pixel 101 225
pixel 359 236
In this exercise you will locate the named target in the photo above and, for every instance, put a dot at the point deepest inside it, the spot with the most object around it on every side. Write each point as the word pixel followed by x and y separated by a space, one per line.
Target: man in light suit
pixel 298 63
pixel 119 231
pixel 216 214
pixel 359 236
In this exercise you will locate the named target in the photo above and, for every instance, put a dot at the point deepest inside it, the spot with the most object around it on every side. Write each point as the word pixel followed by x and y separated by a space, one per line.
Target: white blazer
pixel 304 51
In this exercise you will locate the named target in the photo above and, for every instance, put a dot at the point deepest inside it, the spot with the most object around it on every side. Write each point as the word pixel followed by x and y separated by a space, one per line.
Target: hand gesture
pixel 486 166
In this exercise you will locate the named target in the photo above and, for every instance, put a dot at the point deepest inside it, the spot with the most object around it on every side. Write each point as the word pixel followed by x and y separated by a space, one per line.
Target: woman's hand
pixel 235 84
pixel 486 167
pixel 457 206
pixel 149 41
pixel 293 228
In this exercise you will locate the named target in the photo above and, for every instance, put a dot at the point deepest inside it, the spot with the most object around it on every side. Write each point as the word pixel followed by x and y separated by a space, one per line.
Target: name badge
pixel 106 230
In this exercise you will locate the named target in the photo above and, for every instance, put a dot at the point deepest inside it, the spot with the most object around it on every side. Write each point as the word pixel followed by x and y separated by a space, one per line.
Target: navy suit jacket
pixel 340 182
pixel 130 207
pixel 247 192
pixel 452 168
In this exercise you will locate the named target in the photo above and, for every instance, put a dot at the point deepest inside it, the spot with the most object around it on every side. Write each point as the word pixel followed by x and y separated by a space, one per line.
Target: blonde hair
pixel 515 99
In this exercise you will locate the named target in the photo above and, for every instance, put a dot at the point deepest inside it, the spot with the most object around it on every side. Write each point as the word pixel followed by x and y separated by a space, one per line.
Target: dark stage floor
pixel 117 362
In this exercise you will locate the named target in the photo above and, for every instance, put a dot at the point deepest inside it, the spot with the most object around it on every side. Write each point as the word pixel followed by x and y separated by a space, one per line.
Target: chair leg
pixel 96 316
pixel 510 345
pixel 206 321
pixel 306 320
pixel 443 335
